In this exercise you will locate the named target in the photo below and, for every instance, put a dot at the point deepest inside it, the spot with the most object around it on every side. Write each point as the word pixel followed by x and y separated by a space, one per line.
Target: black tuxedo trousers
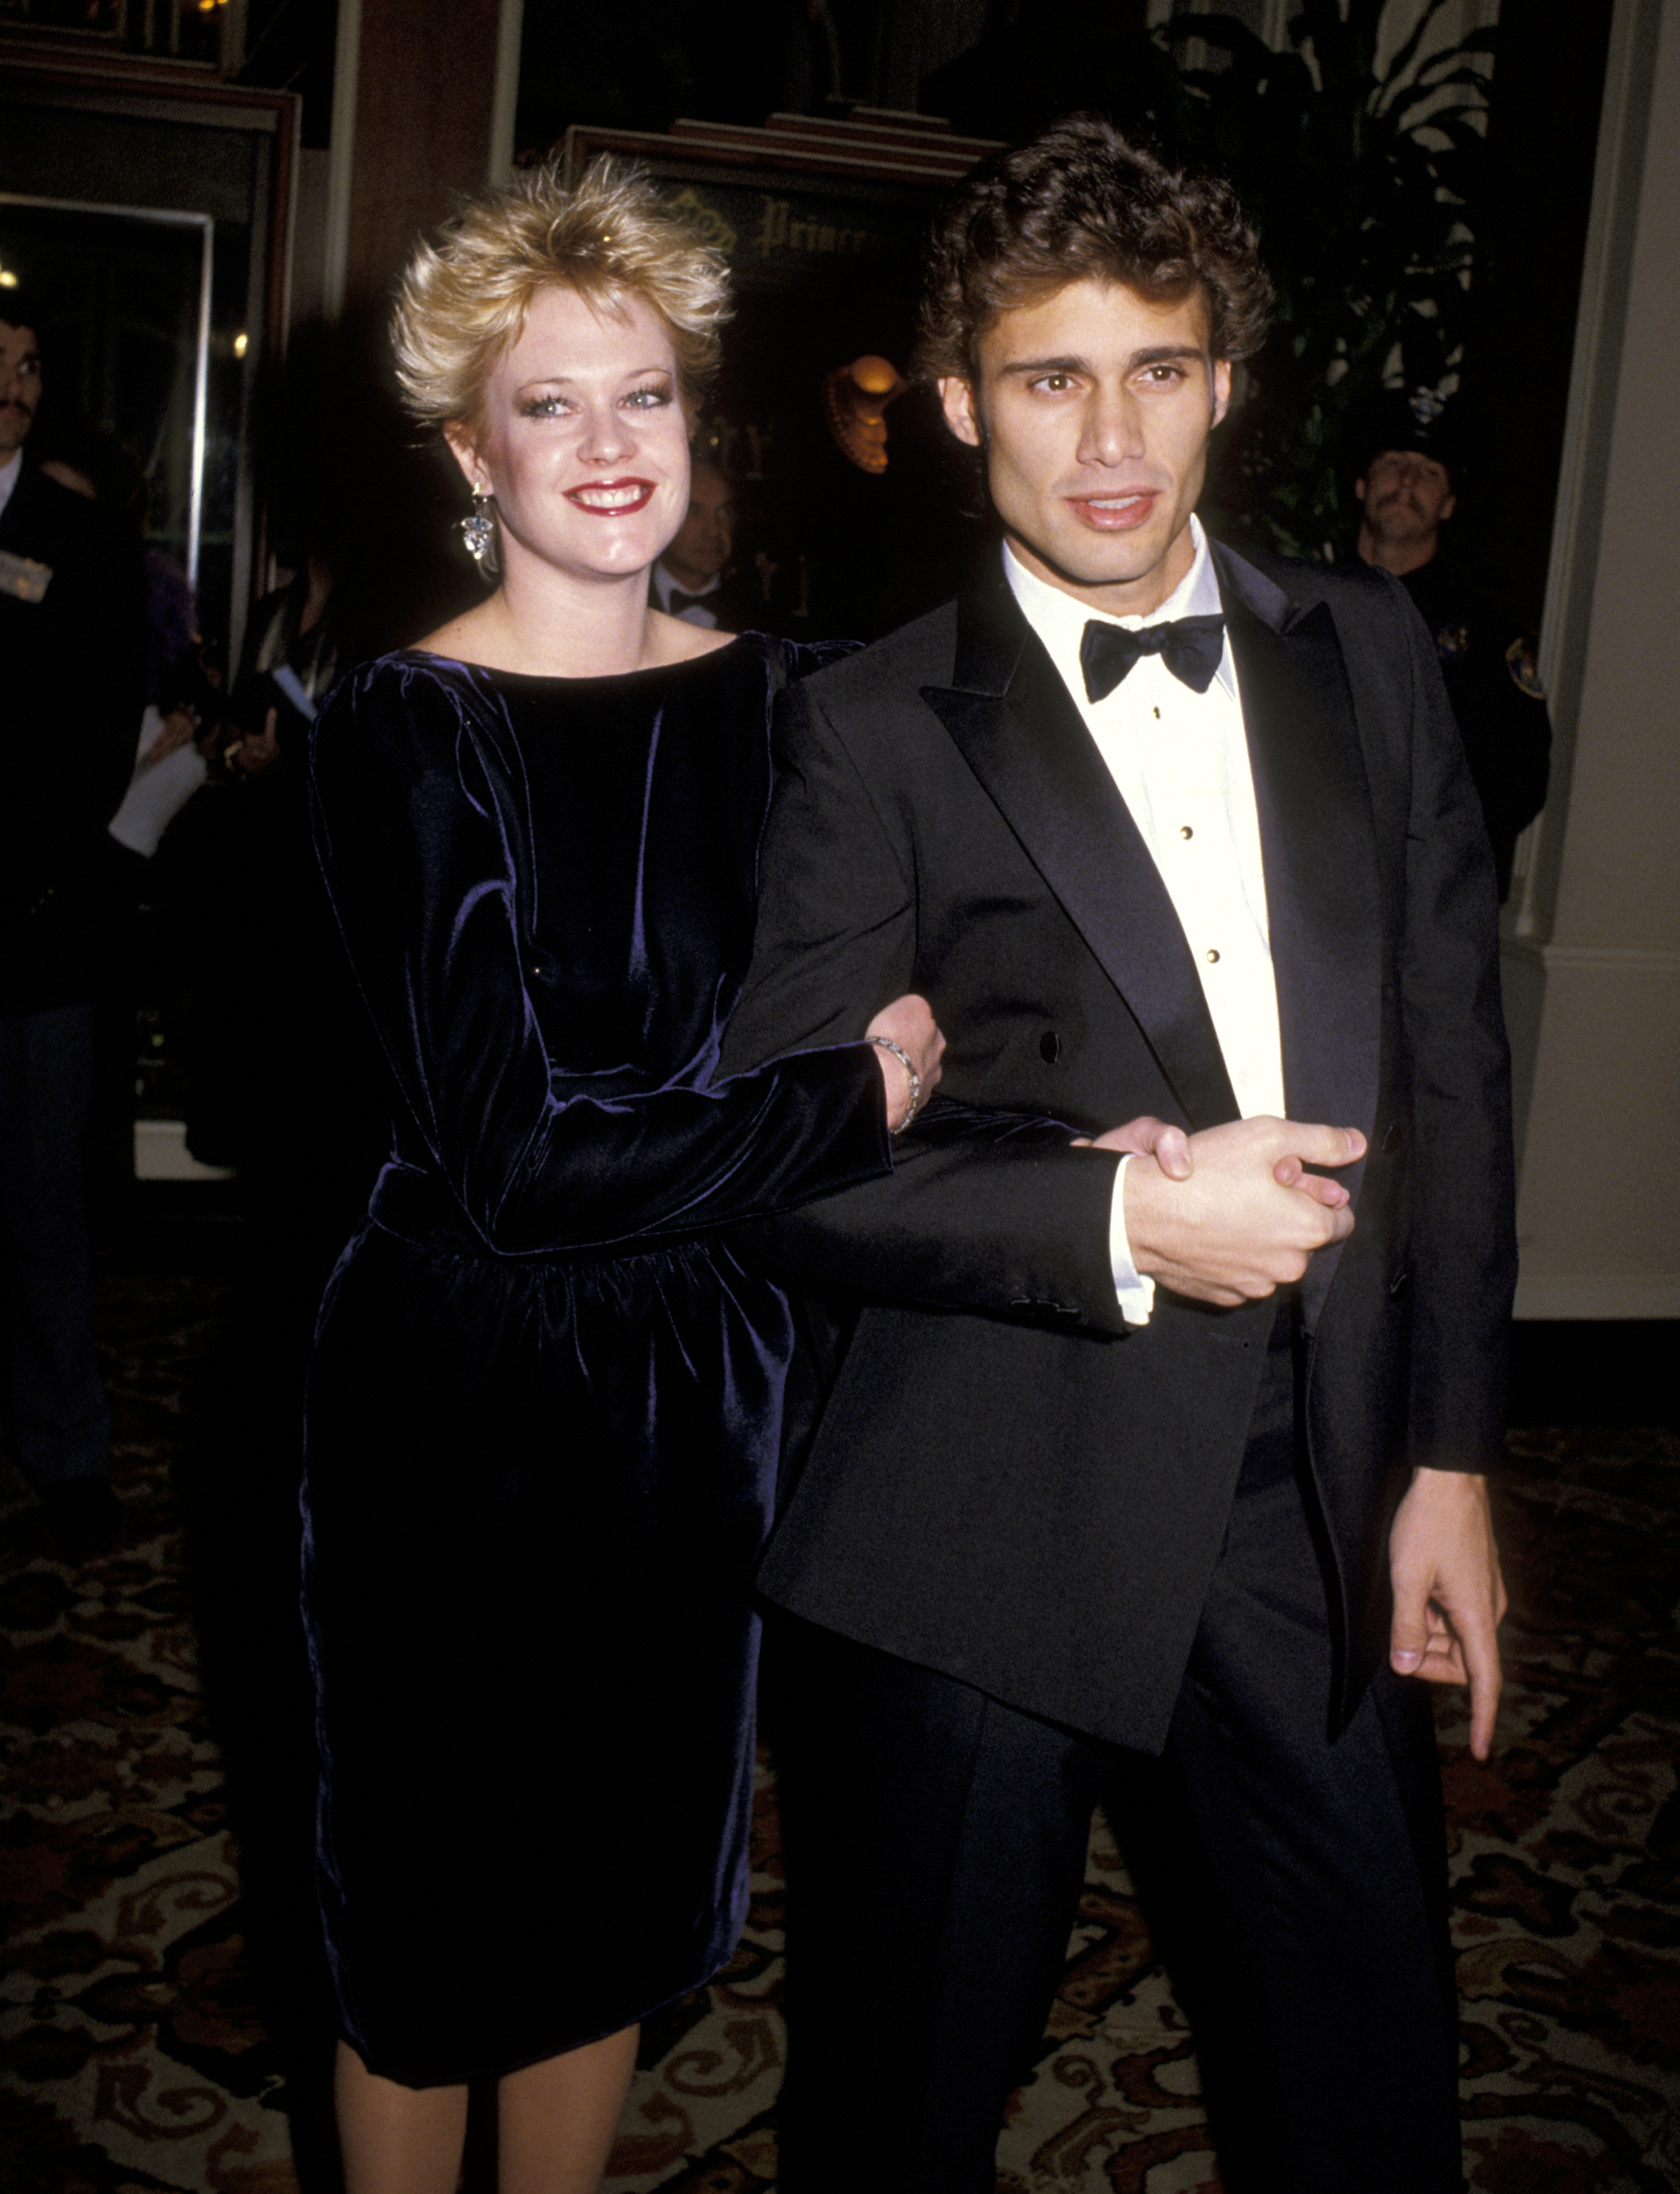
pixel 1296 1887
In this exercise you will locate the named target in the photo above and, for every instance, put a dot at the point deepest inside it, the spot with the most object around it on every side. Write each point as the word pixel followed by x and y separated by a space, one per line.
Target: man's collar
pixel 992 629
pixel 1060 618
pixel 667 579
pixel 9 473
pixel 1196 594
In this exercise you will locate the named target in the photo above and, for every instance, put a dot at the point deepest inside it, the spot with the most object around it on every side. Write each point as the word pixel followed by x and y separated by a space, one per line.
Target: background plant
pixel 1363 179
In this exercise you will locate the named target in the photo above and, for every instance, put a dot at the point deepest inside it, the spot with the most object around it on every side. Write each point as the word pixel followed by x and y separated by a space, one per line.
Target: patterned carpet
pixel 163 2013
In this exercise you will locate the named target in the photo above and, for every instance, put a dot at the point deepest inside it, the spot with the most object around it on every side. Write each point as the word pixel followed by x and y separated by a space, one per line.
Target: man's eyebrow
pixel 1156 354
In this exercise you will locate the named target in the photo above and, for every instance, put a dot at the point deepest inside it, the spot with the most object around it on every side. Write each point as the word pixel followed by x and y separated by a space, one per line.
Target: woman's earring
pixel 478 531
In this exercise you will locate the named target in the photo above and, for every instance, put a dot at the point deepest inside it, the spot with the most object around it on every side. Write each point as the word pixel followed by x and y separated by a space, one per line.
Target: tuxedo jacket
pixel 1006 1484
pixel 72 684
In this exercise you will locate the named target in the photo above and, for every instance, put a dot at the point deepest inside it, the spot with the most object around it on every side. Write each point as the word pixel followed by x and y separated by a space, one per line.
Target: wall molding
pixel 1599 959
pixel 347 68
pixel 1589 431
pixel 1598 1295
pixel 504 101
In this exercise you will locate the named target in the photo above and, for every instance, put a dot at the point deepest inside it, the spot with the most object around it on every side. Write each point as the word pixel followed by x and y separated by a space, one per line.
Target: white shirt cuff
pixel 1137 1294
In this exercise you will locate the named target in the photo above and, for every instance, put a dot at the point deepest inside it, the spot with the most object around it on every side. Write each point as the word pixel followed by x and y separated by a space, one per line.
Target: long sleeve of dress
pixel 422 820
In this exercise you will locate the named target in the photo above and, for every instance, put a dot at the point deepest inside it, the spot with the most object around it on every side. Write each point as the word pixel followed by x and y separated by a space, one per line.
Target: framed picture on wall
pixel 823 223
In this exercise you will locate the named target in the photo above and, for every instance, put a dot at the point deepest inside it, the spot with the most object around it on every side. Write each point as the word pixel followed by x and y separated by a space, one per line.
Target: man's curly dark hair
pixel 1080 202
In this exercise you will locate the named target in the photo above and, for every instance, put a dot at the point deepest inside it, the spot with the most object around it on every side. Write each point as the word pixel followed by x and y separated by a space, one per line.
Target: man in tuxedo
pixel 688 580
pixel 72 662
pixel 1155 1491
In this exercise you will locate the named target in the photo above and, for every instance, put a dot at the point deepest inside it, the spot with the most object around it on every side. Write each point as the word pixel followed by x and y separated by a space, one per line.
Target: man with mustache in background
pixel 73 670
pixel 1406 494
pixel 1159 1492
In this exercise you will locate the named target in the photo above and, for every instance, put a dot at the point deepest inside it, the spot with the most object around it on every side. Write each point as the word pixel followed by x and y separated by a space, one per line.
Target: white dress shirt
pixel 1179 760
pixel 695 610
pixel 8 476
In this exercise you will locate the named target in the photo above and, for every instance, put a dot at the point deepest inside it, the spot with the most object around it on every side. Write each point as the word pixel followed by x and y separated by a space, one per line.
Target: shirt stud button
pixel 1212 956
pixel 1186 832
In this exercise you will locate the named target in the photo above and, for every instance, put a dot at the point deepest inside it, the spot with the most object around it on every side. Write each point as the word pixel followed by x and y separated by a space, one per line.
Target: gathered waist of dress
pixel 417 1207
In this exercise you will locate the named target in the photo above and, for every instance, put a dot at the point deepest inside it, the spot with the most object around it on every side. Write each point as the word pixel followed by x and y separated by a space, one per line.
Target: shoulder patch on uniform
pixel 1524 670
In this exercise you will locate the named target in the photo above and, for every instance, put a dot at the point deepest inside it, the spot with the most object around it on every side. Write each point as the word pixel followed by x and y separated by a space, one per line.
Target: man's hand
pixel 178 728
pixel 1245 1217
pixel 1170 1147
pixel 1449 1597
pixel 1146 1137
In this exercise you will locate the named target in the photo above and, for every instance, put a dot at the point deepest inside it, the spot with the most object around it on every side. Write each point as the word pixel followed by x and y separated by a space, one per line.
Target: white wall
pixel 1593 961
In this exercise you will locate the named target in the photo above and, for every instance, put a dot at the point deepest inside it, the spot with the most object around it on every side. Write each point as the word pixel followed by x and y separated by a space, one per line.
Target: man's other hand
pixel 1449 1597
pixel 1245 1217
pixel 1170 1147
pixel 1149 1138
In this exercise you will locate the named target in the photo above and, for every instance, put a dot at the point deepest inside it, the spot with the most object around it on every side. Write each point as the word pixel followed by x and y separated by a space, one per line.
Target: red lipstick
pixel 611 498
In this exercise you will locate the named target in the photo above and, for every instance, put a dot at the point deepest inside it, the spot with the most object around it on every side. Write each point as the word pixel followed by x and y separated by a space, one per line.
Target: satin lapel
pixel 1318 851
pixel 1029 749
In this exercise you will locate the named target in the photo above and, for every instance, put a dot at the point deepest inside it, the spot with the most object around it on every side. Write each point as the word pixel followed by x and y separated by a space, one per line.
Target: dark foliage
pixel 1361 172
pixel 1361 167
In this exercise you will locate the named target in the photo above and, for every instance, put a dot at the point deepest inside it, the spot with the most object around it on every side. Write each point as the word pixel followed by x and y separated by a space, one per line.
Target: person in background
pixel 72 671
pixel 293 656
pixel 285 1083
pixel 182 720
pixel 691 580
pixel 1408 473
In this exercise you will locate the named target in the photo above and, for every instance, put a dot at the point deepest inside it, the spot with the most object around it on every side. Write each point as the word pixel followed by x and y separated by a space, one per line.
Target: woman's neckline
pixel 553 678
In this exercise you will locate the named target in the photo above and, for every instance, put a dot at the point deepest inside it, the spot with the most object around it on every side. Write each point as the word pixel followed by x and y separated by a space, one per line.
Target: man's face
pixel 19 386
pixel 706 540
pixel 1406 498
pixel 1093 408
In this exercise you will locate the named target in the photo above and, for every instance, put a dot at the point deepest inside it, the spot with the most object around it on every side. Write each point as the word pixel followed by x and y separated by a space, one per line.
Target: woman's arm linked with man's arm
pixel 1008 1215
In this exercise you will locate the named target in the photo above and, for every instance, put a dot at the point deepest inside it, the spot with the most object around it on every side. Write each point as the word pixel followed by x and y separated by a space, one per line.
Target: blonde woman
pixel 544 1404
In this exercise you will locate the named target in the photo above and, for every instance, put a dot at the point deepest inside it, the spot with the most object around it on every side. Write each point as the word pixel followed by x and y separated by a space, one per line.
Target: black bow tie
pixel 1189 646
pixel 679 602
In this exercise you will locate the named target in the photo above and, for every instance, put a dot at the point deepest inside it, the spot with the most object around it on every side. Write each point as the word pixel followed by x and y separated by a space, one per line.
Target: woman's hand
pixel 909 1023
pixel 178 728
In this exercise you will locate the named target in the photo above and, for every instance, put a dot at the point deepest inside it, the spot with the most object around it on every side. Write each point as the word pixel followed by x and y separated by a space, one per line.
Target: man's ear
pixel 1359 489
pixel 1222 390
pixel 461 448
pixel 1447 508
pixel 957 396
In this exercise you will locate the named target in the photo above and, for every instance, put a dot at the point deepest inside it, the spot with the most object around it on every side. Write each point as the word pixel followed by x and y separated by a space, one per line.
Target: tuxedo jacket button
pixel 1050 1047
pixel 1392 1140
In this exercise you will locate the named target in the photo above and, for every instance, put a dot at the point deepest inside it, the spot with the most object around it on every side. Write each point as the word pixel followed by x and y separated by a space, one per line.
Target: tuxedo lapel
pixel 1319 850
pixel 1021 734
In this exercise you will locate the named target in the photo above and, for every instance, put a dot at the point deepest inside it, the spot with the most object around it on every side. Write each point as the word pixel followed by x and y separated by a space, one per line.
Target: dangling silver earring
pixel 478 531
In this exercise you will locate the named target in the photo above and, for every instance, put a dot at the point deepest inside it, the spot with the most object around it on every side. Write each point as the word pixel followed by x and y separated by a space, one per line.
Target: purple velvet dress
pixel 545 1404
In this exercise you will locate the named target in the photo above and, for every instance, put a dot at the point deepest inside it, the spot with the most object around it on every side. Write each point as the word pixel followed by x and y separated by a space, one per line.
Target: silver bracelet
pixel 903 1058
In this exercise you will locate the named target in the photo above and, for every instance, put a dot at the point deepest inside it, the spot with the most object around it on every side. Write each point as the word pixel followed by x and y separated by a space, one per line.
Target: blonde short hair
pixel 611 237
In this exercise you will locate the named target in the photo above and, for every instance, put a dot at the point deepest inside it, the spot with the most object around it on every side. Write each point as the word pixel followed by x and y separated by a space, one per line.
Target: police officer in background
pixel 1408 468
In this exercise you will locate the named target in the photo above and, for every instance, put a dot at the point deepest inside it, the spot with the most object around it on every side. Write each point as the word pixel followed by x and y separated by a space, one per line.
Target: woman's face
pixel 583 441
